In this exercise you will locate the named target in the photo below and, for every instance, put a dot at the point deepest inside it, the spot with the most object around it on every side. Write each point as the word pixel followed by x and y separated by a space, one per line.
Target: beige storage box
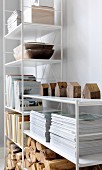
pixel 39 14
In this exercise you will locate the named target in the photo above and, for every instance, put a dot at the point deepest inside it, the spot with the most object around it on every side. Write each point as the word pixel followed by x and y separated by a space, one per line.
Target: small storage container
pixel 39 14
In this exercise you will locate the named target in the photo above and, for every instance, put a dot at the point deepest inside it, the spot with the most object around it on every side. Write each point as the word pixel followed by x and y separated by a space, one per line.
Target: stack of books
pixel 14 127
pixel 13 21
pixel 40 124
pixel 14 92
pixel 63 133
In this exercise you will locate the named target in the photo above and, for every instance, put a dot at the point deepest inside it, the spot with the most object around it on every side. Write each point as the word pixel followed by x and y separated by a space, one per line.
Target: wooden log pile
pixel 38 157
pixel 14 156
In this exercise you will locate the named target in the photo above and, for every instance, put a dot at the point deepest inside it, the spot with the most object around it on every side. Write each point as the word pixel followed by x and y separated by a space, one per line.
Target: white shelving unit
pixel 33 29
pixel 18 111
pixel 23 33
pixel 81 101
pixel 31 63
pixel 82 161
pixel 14 142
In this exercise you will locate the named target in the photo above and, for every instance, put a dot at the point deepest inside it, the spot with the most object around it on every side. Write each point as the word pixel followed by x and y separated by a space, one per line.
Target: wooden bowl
pixel 32 45
pixel 36 54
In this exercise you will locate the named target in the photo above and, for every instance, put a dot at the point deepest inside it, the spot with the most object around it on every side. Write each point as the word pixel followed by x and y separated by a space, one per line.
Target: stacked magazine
pixel 14 92
pixel 13 21
pixel 40 124
pixel 63 133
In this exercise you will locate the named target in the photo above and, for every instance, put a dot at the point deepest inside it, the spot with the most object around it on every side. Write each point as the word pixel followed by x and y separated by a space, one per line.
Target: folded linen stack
pixel 14 20
pixel 63 133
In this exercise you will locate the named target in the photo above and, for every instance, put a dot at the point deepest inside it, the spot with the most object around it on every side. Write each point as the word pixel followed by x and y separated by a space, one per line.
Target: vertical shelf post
pixel 4 81
pixel 61 40
pixel 77 134
pixel 61 45
pixel 22 73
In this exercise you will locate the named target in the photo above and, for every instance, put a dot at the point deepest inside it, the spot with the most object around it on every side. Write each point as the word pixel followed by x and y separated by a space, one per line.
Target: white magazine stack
pixel 30 87
pixel 63 133
pixel 40 124
pixel 14 92
pixel 13 21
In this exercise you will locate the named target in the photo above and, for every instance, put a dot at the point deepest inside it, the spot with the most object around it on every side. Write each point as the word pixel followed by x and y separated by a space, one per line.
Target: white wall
pixel 84 41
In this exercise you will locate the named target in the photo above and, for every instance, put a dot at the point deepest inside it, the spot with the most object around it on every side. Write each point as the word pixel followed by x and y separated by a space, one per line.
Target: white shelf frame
pixel 18 111
pixel 14 142
pixel 80 101
pixel 20 33
pixel 43 29
pixel 84 161
pixel 31 62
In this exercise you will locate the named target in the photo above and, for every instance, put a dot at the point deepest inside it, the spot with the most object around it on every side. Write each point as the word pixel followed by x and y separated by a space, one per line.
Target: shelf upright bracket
pixel 22 74
pixel 61 45
pixel 77 133
pixel 61 40
pixel 4 81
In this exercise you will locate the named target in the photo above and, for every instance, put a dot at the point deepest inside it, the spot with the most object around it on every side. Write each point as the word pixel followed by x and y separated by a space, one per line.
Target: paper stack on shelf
pixel 40 124
pixel 63 133
pixel 14 20
pixel 14 92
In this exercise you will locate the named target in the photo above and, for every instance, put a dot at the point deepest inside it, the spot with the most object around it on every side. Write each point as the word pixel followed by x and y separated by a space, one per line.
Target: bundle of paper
pixel 14 92
pixel 30 87
pixel 14 20
pixel 63 133
pixel 40 124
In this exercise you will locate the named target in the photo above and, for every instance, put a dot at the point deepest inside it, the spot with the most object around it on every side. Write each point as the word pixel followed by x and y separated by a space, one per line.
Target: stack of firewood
pixel 14 156
pixel 38 157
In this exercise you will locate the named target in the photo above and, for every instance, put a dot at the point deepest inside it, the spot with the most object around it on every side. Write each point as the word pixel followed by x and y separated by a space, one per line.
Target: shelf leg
pixel 77 134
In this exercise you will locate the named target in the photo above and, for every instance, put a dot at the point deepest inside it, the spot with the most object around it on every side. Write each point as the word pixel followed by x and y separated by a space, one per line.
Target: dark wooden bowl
pixel 40 53
pixel 32 45
pixel 36 54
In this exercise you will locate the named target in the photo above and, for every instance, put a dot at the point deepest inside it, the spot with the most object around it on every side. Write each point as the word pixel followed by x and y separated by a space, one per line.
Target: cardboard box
pixel 39 14
pixel 73 90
